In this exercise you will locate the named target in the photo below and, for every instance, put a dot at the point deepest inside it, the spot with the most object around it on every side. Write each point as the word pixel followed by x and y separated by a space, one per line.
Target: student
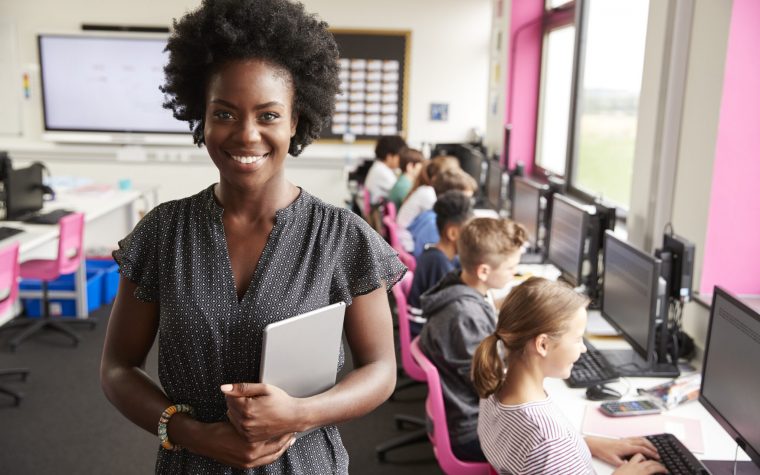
pixel 256 80
pixel 422 230
pixel 382 174
pixel 411 162
pixel 422 195
pixel 540 329
pixel 452 210
pixel 460 313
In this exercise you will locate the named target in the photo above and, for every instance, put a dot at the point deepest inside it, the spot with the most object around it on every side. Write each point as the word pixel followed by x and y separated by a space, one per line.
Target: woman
pixel 256 80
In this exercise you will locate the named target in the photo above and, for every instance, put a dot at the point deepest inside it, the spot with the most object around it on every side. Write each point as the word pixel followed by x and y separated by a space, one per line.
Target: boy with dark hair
pixel 451 210
pixel 382 175
pixel 461 313
pixel 411 162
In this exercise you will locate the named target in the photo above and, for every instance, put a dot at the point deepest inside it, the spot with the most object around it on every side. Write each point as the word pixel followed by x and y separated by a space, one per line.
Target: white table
pixel 109 215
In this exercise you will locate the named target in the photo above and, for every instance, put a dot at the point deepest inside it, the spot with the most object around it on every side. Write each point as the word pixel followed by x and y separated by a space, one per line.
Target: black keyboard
pixel 51 217
pixel 675 456
pixel 592 368
pixel 6 232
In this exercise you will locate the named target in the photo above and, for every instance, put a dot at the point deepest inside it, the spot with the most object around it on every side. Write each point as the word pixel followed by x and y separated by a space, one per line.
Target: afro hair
pixel 277 31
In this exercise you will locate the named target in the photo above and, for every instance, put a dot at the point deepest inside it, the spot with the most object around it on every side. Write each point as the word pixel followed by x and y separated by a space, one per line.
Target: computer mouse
pixel 602 393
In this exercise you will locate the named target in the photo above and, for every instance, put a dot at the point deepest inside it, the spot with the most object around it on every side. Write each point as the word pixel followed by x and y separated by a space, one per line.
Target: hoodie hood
pixel 451 288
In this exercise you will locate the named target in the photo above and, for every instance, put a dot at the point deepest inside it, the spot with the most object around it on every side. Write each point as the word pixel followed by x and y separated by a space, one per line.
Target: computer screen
pixel 567 237
pixel 629 293
pixel 105 84
pixel 730 382
pixel 526 206
pixel 493 185
pixel 470 158
pixel 23 192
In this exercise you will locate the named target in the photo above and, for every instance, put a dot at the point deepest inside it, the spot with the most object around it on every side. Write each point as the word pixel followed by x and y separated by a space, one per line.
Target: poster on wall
pixel 373 76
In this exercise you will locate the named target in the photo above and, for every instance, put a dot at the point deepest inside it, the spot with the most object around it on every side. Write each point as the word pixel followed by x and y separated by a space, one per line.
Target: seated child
pixel 411 162
pixel 422 229
pixel 460 313
pixel 540 328
pixel 451 211
pixel 382 174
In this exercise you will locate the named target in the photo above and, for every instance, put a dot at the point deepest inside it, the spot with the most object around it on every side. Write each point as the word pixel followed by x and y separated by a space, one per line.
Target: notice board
pixel 374 74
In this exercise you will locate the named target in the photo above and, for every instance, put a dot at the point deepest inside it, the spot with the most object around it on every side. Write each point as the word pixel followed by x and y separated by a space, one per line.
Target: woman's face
pixel 566 350
pixel 249 121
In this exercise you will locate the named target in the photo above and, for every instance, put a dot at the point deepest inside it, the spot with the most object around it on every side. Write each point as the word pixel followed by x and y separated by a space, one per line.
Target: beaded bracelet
pixel 163 435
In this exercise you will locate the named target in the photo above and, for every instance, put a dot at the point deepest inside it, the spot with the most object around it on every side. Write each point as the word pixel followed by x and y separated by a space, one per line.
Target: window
pixel 608 98
pixel 554 101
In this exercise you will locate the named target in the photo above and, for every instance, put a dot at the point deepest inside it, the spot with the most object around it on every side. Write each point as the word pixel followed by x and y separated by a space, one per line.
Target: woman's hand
pixel 613 451
pixel 639 465
pixel 262 411
pixel 228 447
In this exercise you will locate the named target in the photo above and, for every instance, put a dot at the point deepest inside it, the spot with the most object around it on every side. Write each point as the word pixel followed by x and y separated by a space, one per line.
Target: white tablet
pixel 300 354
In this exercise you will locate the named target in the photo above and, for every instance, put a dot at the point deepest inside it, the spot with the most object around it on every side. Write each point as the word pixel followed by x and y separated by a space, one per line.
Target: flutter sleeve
pixel 364 261
pixel 137 256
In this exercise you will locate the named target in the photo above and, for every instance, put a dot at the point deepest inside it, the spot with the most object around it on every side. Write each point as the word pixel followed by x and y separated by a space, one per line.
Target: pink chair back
pixel 70 243
pixel 366 202
pixel 9 271
pixel 390 210
pixel 436 413
pixel 407 259
pixel 411 368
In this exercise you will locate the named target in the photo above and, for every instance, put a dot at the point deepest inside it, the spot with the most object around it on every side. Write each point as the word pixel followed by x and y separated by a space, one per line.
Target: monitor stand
pixel 630 363
pixel 726 467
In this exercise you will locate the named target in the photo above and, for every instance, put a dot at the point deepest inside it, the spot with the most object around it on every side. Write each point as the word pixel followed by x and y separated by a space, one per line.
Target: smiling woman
pixel 256 80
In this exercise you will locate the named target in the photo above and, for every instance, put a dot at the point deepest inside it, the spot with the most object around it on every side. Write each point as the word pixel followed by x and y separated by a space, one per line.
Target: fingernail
pixel 226 388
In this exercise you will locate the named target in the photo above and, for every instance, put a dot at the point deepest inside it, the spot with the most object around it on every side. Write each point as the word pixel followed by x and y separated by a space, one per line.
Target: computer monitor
pixel 493 186
pixel 633 302
pixel 730 382
pixel 567 238
pixel 526 207
pixel 471 159
pixel 23 192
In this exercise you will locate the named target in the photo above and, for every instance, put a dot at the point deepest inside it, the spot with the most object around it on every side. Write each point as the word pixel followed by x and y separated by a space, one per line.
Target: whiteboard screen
pixel 105 84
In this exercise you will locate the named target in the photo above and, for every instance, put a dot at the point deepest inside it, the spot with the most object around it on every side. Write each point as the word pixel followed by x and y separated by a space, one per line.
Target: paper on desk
pixel 688 431
pixel 598 326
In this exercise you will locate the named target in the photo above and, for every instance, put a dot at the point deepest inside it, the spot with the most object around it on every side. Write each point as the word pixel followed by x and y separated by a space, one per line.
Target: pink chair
pixel 366 202
pixel 407 259
pixel 9 284
pixel 439 430
pixel 412 370
pixel 390 210
pixel 70 243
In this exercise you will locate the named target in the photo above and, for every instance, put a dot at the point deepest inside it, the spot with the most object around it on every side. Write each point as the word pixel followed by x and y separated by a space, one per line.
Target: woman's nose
pixel 250 132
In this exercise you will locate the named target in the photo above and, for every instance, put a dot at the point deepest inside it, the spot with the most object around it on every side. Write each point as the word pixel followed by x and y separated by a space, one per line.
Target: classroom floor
pixel 66 425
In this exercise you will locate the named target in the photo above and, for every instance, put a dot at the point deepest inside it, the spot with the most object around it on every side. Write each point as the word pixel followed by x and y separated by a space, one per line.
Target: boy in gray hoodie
pixel 460 313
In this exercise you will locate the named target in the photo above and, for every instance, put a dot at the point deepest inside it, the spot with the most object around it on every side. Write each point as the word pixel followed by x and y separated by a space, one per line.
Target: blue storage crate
pixel 64 307
pixel 110 277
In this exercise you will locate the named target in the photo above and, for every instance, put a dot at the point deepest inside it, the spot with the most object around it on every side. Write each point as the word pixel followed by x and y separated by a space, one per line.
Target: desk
pixel 718 445
pixel 109 216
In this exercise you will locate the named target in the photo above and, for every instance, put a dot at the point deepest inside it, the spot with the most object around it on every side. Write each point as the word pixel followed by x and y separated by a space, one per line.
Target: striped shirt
pixel 531 438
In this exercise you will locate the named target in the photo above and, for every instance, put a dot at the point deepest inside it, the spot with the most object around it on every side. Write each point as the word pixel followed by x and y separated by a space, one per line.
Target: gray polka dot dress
pixel 316 254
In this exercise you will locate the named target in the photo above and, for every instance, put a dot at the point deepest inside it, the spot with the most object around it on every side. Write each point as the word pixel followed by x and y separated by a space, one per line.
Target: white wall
pixel 449 53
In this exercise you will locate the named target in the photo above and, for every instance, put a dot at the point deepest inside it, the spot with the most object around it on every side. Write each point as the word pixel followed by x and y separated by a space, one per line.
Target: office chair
pixel 70 243
pixel 438 430
pixel 392 228
pixel 415 376
pixel 9 283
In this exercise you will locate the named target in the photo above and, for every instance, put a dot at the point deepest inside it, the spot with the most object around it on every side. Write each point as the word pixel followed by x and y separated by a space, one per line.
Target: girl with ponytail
pixel 539 334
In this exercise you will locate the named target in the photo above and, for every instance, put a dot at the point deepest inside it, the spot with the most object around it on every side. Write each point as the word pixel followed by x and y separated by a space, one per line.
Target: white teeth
pixel 250 159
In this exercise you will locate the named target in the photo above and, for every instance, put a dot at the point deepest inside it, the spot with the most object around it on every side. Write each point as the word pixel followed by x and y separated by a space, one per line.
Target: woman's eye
pixel 269 116
pixel 224 115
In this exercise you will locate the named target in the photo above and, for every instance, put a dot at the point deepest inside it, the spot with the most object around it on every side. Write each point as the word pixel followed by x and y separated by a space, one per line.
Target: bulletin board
pixel 374 74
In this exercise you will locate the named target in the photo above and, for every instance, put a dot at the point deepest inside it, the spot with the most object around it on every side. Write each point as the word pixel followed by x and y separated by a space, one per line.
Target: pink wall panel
pixel 523 80
pixel 732 245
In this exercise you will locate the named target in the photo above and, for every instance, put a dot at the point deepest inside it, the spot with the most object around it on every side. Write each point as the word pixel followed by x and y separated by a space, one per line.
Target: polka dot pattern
pixel 316 254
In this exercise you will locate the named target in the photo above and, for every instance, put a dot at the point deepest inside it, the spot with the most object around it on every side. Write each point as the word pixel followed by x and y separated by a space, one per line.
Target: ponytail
pixel 487 367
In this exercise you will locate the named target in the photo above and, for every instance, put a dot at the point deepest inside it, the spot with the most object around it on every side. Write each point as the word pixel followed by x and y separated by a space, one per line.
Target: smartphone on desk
pixel 637 407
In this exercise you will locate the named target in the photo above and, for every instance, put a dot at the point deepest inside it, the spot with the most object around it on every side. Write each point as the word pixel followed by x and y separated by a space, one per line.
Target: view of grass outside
pixel 605 151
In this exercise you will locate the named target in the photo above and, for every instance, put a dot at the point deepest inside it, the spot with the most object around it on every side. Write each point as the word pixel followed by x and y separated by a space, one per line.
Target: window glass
pixel 608 98
pixel 554 102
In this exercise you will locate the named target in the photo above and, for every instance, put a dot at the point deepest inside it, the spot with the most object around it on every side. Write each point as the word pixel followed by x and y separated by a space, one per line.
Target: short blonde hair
pixel 489 241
